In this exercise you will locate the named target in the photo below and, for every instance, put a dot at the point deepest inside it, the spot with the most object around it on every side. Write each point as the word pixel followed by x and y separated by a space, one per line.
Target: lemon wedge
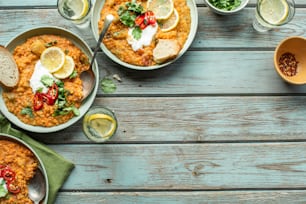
pixel 274 11
pixel 101 125
pixel 170 23
pixel 79 7
pixel 162 9
pixel 52 58
pixel 66 70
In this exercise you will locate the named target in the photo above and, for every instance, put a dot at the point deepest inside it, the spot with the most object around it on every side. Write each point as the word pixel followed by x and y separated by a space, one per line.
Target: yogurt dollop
pixel 146 37
pixel 35 81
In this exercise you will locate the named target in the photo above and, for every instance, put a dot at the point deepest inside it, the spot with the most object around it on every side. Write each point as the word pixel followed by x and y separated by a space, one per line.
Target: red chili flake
pixel 288 64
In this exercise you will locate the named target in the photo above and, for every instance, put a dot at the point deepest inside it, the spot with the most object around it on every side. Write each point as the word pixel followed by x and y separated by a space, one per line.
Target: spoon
pixel 37 187
pixel 88 77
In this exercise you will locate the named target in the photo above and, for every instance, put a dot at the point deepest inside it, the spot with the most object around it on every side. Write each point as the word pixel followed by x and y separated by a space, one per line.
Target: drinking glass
pixel 77 11
pixel 273 13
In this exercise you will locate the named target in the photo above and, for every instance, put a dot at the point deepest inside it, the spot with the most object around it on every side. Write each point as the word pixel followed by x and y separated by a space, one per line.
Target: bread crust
pixel 165 50
pixel 9 73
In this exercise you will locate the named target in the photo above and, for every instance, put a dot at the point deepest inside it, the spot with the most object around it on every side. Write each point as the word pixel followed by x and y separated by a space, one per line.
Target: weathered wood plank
pixel 186 166
pixel 204 72
pixel 53 3
pixel 214 31
pixel 198 119
pixel 183 197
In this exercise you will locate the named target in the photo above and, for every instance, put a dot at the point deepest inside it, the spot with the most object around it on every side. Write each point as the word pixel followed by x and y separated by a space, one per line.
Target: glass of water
pixel 273 13
pixel 77 11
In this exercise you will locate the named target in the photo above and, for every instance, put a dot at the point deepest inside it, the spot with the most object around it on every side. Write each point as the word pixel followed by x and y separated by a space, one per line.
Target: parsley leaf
pixel 128 14
pixel 47 80
pixel 108 86
pixel 27 111
pixel 137 33
pixel 225 4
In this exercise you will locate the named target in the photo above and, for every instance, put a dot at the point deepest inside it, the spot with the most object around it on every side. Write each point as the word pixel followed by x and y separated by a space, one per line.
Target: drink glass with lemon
pixel 273 13
pixel 99 124
pixel 77 11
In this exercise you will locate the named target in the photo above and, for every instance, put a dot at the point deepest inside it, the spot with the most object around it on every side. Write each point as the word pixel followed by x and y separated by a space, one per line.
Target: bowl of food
pixel 226 7
pixel 18 165
pixel 48 93
pixel 145 35
pixel 290 60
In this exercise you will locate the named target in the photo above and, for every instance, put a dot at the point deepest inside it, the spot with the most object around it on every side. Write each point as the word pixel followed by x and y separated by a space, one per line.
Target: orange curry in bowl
pixel 17 166
pixel 141 36
pixel 45 100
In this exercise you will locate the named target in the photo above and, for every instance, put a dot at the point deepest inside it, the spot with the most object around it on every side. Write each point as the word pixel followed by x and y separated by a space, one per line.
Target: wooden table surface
pixel 217 126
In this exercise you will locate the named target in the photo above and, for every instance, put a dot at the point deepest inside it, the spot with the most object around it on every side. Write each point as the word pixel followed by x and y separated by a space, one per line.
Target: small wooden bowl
pixel 297 46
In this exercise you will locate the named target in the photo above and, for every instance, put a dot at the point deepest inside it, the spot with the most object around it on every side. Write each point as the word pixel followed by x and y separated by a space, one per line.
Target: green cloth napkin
pixel 57 167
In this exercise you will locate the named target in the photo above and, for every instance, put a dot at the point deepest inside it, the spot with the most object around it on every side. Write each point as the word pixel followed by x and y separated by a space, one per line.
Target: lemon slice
pixel 52 59
pixel 79 8
pixel 102 125
pixel 274 11
pixel 162 9
pixel 170 23
pixel 66 70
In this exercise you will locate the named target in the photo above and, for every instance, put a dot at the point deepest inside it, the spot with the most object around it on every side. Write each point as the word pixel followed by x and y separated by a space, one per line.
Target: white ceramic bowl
pixel 86 103
pixel 224 12
pixel 98 5
pixel 41 165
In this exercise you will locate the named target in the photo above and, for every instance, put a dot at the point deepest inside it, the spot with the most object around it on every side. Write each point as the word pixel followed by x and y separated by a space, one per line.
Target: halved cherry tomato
pixel 139 19
pixel 53 91
pixel 145 19
pixel 37 101
pixel 150 17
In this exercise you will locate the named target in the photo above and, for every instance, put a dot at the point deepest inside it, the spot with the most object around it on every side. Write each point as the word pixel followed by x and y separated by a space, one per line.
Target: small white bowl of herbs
pixel 226 7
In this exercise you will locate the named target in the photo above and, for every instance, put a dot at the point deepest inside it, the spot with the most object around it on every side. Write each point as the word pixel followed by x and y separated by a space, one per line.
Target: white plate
pixel 98 5
pixel 21 38
pixel 41 165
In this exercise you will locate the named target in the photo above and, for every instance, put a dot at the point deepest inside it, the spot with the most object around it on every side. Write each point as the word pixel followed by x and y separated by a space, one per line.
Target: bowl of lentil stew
pixel 20 160
pixel 120 51
pixel 290 60
pixel 26 121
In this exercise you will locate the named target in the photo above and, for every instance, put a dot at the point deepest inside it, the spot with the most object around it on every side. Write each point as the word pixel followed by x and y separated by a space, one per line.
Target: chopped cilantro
pixel 27 111
pixel 107 85
pixel 227 5
pixel 128 13
pixel 137 33
pixel 73 74
pixel 47 80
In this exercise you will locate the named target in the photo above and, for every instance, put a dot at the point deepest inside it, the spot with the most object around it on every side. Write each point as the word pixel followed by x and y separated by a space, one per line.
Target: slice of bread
pixel 165 50
pixel 9 73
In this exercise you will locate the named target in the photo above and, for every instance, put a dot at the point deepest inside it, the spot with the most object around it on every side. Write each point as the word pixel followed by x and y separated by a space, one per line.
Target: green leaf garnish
pixel 129 12
pixel 227 5
pixel 137 33
pixel 27 111
pixel 108 85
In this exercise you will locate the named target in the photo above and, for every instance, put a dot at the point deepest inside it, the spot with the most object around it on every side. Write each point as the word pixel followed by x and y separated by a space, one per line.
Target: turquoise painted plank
pixel 53 2
pixel 204 72
pixel 28 3
pixel 183 197
pixel 214 31
pixel 185 166
pixel 197 119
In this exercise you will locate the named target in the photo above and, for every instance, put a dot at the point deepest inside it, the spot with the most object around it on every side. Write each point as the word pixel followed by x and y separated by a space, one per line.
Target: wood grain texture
pixel 185 166
pixel 198 119
pixel 214 31
pixel 183 197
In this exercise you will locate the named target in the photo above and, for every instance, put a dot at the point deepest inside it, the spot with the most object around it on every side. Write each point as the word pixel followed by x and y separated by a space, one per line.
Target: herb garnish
pixel 108 85
pixel 128 14
pixel 227 5
pixel 27 111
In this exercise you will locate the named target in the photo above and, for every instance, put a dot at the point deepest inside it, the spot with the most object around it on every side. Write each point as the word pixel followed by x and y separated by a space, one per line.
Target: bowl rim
pixel 220 11
pixel 95 16
pixel 86 104
pixel 275 59
pixel 4 136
